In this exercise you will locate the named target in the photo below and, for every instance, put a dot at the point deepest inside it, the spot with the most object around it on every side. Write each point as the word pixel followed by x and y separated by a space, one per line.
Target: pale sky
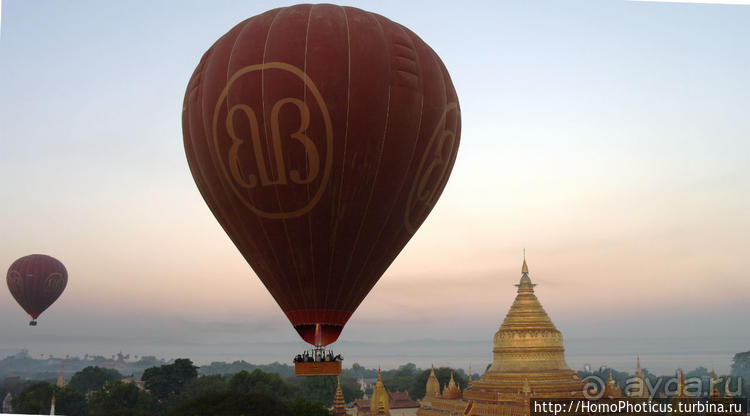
pixel 611 139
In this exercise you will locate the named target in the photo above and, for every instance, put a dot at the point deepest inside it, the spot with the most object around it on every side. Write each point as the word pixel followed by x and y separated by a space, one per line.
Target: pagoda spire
pixel 714 392
pixel 524 268
pixel 339 405
pixel 61 378
pixel 433 385
pixel 379 398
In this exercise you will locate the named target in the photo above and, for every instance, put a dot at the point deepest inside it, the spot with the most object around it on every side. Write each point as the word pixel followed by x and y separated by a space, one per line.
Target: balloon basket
pixel 317 368
pixel 32 323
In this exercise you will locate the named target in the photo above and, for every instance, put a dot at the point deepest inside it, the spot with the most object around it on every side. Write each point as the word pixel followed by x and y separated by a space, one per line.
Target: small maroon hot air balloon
pixel 36 281
pixel 320 137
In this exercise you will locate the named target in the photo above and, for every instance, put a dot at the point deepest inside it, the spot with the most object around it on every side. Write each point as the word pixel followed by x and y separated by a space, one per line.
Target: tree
pixel 92 378
pixel 351 389
pixel 70 402
pixel 260 382
pixel 302 407
pixel 35 398
pixel 741 364
pixel 319 389
pixel 167 379
pixel 231 403
pixel 197 387
pixel 401 378
pixel 200 386
pixel 118 398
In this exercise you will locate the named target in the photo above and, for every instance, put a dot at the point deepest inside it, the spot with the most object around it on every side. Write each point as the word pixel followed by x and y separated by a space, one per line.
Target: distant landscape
pixel 147 385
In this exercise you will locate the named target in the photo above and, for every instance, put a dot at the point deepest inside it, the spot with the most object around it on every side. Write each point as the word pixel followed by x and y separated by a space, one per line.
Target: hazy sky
pixel 611 139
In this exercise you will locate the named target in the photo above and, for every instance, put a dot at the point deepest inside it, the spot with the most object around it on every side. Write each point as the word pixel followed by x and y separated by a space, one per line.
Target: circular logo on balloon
pixel 273 140
pixel 433 171
pixel 54 284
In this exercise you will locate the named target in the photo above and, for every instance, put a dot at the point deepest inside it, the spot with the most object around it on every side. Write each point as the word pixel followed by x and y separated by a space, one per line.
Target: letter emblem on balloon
pixel 434 170
pixel 259 153
pixel 54 284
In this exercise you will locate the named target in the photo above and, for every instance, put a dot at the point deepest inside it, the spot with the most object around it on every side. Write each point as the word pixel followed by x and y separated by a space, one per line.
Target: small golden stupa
pixel 339 405
pixel 612 389
pixel 433 385
pixel 528 361
pixel 380 399
pixel 638 387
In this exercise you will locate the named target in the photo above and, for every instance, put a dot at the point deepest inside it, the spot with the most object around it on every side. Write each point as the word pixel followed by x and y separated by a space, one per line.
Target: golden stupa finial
pixel 524 268
pixel 638 365
pixel 380 376
pixel 610 376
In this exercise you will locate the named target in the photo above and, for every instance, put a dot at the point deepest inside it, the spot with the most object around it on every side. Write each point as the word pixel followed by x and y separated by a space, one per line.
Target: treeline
pixel 23 365
pixel 176 389
pixel 179 388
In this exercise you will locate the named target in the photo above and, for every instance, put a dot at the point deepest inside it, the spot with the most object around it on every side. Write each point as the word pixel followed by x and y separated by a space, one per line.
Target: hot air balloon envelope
pixel 320 137
pixel 36 281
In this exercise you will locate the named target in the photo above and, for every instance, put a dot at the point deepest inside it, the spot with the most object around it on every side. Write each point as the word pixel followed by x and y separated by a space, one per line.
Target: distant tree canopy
pixel 122 399
pixel 92 378
pixel 260 382
pixel 70 402
pixel 402 378
pixel 741 368
pixel 169 379
pixel 319 389
pixel 231 403
pixel 741 363
pixel 35 398
pixel 221 368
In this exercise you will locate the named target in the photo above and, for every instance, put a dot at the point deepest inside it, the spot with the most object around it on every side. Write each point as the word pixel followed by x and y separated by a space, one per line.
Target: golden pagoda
pixel 380 399
pixel 451 390
pixel 528 361
pixel 433 385
pixel 61 378
pixel 639 387
pixel 612 389
pixel 681 392
pixel 339 405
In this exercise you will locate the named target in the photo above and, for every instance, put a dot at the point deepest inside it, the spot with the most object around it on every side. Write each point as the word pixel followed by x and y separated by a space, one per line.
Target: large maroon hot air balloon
pixel 320 137
pixel 36 281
